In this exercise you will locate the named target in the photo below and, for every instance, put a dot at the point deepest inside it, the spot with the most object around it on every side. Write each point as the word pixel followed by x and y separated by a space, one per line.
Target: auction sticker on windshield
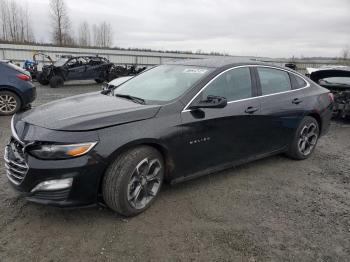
pixel 195 71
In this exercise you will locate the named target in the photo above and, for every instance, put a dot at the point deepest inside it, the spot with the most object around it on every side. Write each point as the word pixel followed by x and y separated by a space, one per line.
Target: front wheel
pixel 56 81
pixel 133 180
pixel 41 79
pixel 305 139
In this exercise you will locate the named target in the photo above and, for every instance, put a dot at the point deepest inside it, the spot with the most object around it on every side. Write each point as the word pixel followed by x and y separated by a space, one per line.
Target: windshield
pixel 163 83
pixel 120 80
pixel 60 62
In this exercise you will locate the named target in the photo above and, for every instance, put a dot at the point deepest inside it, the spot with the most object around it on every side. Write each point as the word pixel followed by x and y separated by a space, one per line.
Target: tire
pixel 40 78
pixel 305 139
pixel 128 191
pixel 99 81
pixel 56 81
pixel 10 103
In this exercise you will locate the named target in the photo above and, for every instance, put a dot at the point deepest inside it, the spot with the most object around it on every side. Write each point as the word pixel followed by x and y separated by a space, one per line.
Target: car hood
pixel 87 112
pixel 322 74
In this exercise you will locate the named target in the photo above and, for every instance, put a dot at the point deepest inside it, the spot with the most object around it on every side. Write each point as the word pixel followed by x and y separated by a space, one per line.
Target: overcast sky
pixel 273 28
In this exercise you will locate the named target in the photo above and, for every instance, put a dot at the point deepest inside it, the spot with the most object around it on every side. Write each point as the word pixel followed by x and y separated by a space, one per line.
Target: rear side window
pixel 234 85
pixel 301 82
pixel 273 80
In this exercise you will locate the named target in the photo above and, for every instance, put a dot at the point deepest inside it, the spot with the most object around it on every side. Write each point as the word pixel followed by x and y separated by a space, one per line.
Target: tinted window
pixel 273 80
pixel 233 85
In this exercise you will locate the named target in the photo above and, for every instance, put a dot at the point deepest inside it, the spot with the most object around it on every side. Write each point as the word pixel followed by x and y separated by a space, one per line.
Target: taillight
pixel 23 77
pixel 331 97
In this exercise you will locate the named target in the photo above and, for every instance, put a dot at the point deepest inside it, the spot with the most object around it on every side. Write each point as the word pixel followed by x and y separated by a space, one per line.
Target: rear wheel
pixel 133 180
pixel 9 103
pixel 56 81
pixel 305 139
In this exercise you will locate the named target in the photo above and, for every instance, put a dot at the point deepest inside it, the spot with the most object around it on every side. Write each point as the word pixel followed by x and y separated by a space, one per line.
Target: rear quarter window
pixel 297 81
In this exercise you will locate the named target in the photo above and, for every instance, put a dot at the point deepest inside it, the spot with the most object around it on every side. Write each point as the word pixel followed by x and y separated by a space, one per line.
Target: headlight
pixel 61 151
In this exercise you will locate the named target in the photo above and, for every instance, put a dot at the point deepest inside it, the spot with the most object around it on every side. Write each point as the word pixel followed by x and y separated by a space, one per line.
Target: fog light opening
pixel 51 185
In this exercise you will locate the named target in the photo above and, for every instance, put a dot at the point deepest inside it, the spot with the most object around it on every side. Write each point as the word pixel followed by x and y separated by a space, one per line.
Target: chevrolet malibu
pixel 171 123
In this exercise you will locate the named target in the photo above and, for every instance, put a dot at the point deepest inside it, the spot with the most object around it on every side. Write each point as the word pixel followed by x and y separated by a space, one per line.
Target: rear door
pixel 282 107
pixel 219 136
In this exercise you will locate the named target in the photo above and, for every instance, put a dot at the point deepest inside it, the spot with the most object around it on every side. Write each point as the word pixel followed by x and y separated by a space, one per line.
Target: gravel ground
pixel 274 209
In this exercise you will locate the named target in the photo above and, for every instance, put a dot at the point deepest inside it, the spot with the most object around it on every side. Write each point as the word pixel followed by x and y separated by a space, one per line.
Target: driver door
pixel 76 69
pixel 213 137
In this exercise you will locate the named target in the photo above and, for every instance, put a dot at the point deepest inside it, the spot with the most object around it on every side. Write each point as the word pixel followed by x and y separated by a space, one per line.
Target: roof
pixel 217 62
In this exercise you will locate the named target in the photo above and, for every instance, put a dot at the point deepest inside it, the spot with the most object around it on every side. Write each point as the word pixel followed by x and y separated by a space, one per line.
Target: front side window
pixel 163 83
pixel 273 80
pixel 233 85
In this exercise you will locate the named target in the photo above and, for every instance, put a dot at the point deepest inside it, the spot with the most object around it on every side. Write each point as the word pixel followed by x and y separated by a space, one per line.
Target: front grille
pixel 16 167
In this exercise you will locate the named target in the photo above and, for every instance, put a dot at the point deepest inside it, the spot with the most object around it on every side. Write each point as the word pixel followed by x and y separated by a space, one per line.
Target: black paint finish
pixel 193 142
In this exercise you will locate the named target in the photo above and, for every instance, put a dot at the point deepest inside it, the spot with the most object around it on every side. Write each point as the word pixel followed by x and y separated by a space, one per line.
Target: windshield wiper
pixel 132 98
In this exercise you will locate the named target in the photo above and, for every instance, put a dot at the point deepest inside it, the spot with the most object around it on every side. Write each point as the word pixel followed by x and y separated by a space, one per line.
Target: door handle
pixel 297 101
pixel 251 110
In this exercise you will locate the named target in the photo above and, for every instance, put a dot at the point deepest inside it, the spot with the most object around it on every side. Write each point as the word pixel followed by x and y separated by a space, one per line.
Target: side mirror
pixel 105 86
pixel 210 102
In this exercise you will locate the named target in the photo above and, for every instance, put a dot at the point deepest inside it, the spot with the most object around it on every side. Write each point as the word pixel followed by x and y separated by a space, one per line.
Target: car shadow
pixel 169 193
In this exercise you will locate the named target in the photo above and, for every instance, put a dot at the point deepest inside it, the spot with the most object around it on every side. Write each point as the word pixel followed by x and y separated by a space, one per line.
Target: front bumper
pixel 26 172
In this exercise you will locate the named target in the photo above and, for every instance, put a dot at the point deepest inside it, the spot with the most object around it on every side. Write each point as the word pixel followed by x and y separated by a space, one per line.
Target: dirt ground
pixel 274 209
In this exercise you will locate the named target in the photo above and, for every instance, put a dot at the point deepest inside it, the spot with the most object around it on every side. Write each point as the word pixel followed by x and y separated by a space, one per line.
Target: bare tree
pixel 29 35
pixel 15 22
pixel 95 35
pixel 84 36
pixel 60 23
pixel 345 53
pixel 106 34
pixel 103 36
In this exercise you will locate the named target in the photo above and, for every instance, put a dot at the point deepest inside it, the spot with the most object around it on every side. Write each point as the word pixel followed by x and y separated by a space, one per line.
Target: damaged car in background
pixel 337 80
pixel 75 68
pixel 95 68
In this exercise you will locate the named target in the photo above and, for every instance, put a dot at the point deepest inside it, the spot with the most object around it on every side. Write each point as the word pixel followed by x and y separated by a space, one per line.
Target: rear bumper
pixel 326 117
pixel 29 95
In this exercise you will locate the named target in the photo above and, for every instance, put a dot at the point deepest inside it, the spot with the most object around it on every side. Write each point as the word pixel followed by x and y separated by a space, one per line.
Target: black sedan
pixel 16 88
pixel 171 123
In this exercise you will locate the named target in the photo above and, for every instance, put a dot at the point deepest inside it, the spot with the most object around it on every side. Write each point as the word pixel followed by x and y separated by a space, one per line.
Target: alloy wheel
pixel 8 104
pixel 308 139
pixel 144 183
